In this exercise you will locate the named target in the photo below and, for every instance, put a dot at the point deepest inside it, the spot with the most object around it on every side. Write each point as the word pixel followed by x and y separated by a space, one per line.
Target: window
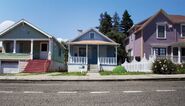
pixel 91 34
pixel 183 30
pixel 82 52
pixel 44 47
pixel 161 31
pixel 159 51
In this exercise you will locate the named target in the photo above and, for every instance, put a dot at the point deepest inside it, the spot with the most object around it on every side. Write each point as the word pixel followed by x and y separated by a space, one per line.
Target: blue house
pixel 92 51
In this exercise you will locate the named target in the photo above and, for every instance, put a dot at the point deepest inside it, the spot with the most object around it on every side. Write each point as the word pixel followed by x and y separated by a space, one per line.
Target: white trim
pixel 29 24
pixel 161 24
pixel 181 30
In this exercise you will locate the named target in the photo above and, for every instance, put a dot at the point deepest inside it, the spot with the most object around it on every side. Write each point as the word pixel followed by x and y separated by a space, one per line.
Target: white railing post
pixel 14 46
pixel 179 55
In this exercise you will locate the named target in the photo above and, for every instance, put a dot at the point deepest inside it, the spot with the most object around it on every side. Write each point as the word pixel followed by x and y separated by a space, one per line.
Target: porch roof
pixel 178 44
pixel 160 44
pixel 92 42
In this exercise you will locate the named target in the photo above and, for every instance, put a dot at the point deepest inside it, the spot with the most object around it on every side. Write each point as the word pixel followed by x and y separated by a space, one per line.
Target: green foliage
pixel 126 22
pixel 118 37
pixel 163 66
pixel 180 69
pixel 65 51
pixel 119 69
pixel 105 23
pixel 115 22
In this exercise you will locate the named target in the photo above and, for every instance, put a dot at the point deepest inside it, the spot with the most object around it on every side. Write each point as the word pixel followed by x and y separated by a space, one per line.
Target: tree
pixel 118 37
pixel 116 22
pixel 126 22
pixel 105 23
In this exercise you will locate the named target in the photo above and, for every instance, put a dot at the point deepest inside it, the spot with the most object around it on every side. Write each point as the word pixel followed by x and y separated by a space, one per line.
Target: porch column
pixel 3 48
pixel 116 54
pixel 69 54
pixel 31 51
pixel 14 46
pixel 179 55
pixel 50 49
pixel 98 54
pixel 86 54
pixel 171 53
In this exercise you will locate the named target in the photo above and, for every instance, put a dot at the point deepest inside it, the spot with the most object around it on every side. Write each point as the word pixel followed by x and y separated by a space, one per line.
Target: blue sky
pixel 62 18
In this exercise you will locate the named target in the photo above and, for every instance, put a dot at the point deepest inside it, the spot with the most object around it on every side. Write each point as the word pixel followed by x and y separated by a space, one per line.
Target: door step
pixel 93 68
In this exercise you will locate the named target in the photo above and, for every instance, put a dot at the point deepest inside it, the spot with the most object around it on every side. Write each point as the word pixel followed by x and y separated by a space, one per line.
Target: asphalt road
pixel 120 93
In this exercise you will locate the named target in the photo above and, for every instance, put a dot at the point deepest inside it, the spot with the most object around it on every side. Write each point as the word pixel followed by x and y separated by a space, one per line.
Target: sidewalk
pixel 94 77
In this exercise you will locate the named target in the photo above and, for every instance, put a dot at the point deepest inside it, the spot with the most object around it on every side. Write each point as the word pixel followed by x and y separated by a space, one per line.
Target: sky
pixel 62 18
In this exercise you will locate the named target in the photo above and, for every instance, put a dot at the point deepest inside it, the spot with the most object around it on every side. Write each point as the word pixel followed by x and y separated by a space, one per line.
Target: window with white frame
pixel 183 30
pixel 161 31
pixel 91 35
pixel 159 51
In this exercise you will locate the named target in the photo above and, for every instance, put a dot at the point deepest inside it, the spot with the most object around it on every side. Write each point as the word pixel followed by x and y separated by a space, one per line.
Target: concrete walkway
pixel 93 77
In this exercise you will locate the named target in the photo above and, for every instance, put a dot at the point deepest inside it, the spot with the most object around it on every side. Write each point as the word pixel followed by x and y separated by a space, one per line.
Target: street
pixel 83 93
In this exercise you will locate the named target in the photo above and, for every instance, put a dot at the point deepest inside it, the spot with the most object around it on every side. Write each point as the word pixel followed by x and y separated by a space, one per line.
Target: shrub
pixel 163 66
pixel 119 69
pixel 180 68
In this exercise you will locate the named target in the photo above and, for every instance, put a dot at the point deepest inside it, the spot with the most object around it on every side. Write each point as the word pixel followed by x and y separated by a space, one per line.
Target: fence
pixel 139 66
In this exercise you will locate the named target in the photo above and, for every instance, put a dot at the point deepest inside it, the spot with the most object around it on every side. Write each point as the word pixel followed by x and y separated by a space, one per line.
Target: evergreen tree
pixel 126 22
pixel 116 22
pixel 105 23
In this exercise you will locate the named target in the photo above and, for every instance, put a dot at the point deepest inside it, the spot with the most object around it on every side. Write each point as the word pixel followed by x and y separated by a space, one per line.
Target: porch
pixel 174 52
pixel 93 54
pixel 26 49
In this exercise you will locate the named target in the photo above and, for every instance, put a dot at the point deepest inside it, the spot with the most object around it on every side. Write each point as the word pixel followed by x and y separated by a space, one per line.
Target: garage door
pixel 10 67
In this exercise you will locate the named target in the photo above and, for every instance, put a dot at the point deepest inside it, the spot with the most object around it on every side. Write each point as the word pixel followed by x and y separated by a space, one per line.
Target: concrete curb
pixel 58 80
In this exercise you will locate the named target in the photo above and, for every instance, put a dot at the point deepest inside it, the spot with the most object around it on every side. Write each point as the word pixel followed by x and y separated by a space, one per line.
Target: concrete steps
pixel 93 68
pixel 36 66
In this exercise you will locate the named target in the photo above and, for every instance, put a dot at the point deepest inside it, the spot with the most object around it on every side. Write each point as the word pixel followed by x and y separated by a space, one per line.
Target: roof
pixel 26 22
pixel 34 27
pixel 173 18
pixel 93 42
pixel 97 42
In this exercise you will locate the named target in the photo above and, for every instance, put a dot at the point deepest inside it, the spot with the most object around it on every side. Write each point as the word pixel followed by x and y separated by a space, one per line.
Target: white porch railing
pixel 174 59
pixel 77 60
pixel 108 60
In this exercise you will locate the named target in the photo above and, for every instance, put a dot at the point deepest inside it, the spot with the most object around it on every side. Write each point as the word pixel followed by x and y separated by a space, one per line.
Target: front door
pixel 43 50
pixel 183 54
pixel 92 55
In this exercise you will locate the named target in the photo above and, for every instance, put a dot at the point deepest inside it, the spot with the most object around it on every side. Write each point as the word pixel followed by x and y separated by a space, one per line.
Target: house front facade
pixel 26 48
pixel 162 35
pixel 92 51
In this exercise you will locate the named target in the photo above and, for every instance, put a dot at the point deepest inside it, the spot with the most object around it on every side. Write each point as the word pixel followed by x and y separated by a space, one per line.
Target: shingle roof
pixel 173 18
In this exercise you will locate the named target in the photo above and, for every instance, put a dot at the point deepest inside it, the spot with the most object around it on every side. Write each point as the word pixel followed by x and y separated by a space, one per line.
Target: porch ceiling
pixel 93 42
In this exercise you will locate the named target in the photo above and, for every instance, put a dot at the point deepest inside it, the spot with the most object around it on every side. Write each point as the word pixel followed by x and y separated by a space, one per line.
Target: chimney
pixel 80 31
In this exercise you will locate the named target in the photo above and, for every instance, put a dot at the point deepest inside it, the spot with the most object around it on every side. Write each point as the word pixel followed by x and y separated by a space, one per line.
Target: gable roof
pixel 173 18
pixel 34 27
pixel 24 22
pixel 95 41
